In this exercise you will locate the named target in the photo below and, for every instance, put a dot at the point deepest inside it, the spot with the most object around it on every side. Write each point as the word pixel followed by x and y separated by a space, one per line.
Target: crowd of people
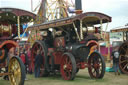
pixel 25 56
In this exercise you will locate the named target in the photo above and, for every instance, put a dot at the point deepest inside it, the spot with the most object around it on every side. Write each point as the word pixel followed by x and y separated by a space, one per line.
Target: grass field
pixel 82 78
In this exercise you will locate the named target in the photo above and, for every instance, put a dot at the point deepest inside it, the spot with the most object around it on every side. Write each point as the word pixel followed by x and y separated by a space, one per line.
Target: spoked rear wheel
pixel 68 66
pixel 96 65
pixel 123 58
pixel 40 45
pixel 17 71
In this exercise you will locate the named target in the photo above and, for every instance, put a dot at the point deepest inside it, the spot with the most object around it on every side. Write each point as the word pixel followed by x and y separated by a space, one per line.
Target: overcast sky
pixel 117 9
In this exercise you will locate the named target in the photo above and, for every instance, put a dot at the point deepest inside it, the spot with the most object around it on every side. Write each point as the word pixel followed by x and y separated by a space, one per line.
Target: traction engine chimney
pixel 78 6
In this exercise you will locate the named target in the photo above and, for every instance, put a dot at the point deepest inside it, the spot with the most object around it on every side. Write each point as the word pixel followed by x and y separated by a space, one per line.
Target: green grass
pixel 3 82
pixel 82 78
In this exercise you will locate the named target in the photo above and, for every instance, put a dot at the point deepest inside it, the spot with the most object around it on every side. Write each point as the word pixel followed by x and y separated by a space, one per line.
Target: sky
pixel 117 9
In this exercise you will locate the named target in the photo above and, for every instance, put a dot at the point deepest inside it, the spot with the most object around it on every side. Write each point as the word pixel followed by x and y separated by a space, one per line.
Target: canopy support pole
pixel 101 28
pixel 18 22
pixel 105 30
pixel 81 30
pixel 76 31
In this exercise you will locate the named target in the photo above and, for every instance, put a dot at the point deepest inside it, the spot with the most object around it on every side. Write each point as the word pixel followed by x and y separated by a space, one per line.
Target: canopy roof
pixel 120 29
pixel 10 15
pixel 88 18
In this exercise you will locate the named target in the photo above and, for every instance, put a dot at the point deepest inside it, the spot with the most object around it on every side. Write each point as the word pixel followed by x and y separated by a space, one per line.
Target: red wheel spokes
pixel 67 67
pixel 125 66
pixel 96 66
pixel 124 49
pixel 68 63
pixel 123 59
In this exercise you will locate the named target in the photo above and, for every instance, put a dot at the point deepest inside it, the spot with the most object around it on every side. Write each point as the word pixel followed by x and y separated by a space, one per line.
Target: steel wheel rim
pixel 123 58
pixel 15 70
pixel 95 66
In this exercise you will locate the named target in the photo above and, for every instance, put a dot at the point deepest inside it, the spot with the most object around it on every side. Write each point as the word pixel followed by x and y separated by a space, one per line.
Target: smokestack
pixel 78 6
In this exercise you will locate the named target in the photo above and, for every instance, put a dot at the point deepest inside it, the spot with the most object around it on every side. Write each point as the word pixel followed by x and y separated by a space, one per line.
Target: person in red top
pixel 29 61
pixel 22 56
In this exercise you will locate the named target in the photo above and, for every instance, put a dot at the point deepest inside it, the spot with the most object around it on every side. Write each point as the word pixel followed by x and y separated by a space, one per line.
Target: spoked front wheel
pixel 16 69
pixel 96 65
pixel 68 66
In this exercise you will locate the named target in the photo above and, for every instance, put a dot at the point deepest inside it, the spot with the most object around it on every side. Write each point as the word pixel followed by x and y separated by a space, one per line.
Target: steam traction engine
pixel 123 49
pixel 11 20
pixel 67 45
